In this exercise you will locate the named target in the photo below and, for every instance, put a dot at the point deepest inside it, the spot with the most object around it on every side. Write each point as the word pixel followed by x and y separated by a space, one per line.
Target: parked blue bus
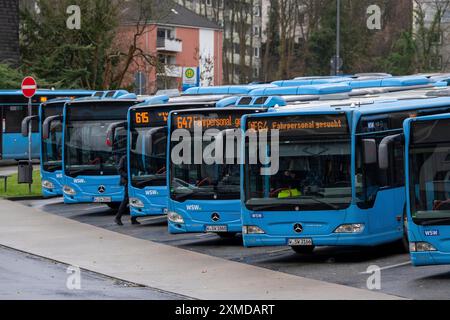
pixel 90 158
pixel 329 189
pixel 427 163
pixel 205 187
pixel 50 116
pixel 147 157
pixel 184 216
pixel 13 109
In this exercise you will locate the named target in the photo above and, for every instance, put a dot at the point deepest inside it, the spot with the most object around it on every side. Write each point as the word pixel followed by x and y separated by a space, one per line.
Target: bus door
pixel 429 190
pixel 2 120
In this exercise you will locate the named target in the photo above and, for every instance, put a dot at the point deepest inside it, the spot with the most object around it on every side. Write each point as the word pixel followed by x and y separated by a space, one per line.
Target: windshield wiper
pixel 436 222
pixel 267 207
pixel 282 203
pixel 332 206
pixel 184 196
pixel 143 182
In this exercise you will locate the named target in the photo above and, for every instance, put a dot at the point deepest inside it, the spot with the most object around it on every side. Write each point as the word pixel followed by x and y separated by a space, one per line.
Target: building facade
pixel 181 39
pixel 9 31
pixel 242 22
pixel 433 17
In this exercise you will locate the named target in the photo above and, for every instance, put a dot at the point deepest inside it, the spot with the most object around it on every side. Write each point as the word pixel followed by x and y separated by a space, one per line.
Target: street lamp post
pixel 338 37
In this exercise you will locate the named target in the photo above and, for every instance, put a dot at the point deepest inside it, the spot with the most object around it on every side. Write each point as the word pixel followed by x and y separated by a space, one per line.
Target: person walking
pixel 123 172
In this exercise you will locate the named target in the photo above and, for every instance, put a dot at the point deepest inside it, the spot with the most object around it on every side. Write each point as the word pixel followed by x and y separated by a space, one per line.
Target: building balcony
pixel 172 71
pixel 169 45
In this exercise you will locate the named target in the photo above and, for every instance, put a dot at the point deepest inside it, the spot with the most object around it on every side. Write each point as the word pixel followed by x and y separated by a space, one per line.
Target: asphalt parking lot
pixel 346 266
pixel 28 277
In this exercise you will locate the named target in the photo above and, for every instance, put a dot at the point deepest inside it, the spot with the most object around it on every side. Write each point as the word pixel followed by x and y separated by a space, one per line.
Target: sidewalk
pixel 154 265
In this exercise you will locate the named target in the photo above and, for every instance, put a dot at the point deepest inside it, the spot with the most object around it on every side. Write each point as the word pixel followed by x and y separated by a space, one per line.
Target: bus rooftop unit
pixel 13 109
pixel 329 188
pixel 427 163
pixel 226 90
pixel 205 191
pixel 147 152
pixel 90 159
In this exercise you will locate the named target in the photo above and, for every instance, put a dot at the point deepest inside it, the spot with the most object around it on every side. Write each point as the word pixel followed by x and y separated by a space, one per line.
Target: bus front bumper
pixel 334 239
pixel 420 259
pixel 149 202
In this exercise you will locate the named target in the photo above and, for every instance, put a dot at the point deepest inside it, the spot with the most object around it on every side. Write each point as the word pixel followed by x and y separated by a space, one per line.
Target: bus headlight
pixel 47 185
pixel 69 191
pixel 252 230
pixel 136 203
pixel 175 217
pixel 350 228
pixel 421 247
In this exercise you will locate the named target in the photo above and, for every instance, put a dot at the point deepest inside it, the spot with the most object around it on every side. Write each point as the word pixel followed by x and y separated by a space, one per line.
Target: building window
pixel 257 11
pixel 256 52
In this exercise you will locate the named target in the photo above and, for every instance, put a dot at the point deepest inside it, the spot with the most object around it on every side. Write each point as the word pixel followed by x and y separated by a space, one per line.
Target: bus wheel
pixel 226 235
pixel 304 249
pixel 113 206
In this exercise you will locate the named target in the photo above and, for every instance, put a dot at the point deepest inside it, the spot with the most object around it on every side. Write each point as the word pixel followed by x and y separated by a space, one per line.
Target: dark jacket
pixel 123 171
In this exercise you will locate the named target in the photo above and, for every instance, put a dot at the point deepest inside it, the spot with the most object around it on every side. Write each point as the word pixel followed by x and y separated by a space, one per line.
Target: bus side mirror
pixel 111 132
pixel 26 124
pixel 383 150
pixel 148 143
pixel 370 151
pixel 47 125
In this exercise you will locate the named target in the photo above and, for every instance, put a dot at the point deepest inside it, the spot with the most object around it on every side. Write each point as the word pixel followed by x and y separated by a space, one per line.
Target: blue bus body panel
pixel 154 200
pixel 320 225
pixel 197 215
pixel 56 179
pixel 438 236
pixel 87 189
pixel 15 146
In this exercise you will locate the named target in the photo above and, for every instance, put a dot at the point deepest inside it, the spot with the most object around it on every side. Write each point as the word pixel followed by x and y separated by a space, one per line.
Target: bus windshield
pixel 148 157
pixel 51 148
pixel 430 172
pixel 86 149
pixel 209 179
pixel 314 166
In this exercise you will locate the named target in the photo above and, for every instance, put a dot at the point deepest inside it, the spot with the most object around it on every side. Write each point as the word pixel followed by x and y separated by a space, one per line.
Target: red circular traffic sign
pixel 29 87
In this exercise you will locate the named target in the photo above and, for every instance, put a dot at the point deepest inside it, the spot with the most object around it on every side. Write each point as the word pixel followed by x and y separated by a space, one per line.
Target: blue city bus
pixel 330 189
pixel 147 147
pixel 13 109
pixel 427 163
pixel 90 157
pixel 147 187
pixel 50 116
pixel 204 189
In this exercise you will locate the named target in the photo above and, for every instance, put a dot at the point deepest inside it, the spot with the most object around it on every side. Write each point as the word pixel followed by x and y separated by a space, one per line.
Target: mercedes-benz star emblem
pixel 298 228
pixel 101 189
pixel 215 217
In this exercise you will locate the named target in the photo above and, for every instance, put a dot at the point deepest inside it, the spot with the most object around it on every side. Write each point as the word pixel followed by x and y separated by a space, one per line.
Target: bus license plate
pixel 102 199
pixel 304 242
pixel 216 229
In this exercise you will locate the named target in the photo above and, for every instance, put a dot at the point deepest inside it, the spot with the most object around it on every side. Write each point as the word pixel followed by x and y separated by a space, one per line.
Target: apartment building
pixel 178 38
pixel 242 22
pixel 9 31
pixel 434 15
